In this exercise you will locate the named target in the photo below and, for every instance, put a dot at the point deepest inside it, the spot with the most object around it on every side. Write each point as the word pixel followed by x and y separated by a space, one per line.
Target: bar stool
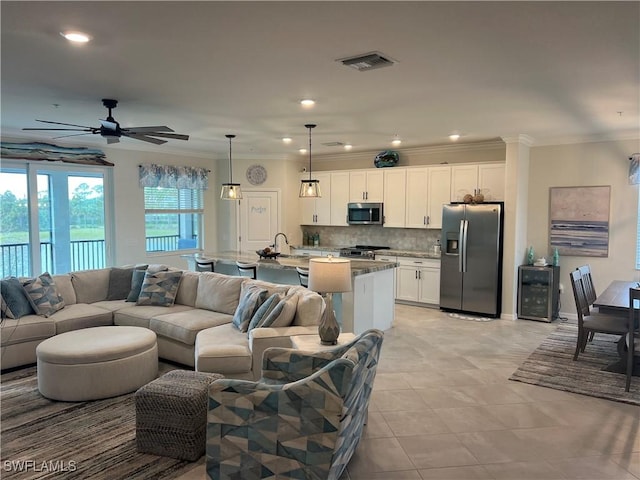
pixel 247 269
pixel 303 275
pixel 205 265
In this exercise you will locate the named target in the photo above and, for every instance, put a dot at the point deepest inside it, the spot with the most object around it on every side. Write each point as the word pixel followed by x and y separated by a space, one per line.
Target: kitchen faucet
pixel 275 244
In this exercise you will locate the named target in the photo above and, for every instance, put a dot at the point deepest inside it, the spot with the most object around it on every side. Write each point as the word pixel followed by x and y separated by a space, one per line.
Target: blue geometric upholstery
pixel 302 420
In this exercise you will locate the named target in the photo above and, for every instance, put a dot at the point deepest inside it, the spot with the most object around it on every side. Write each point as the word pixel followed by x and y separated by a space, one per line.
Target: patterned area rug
pixel 551 365
pixel 44 439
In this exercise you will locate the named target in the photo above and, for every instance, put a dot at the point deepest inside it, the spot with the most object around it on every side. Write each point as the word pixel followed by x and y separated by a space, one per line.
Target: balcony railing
pixel 84 254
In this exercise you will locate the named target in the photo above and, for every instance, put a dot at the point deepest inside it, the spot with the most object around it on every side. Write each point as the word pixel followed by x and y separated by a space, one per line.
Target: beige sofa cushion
pixel 217 292
pixel 81 315
pixel 26 329
pixel 184 326
pixel 223 350
pixel 65 288
pixel 91 285
pixel 271 288
pixel 188 288
pixel 310 307
pixel 140 315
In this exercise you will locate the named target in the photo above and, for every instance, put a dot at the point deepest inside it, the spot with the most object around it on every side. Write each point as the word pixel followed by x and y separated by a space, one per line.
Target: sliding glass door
pixel 53 218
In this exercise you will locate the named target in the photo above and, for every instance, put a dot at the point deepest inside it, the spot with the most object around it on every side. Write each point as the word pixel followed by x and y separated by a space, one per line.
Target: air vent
pixel 367 61
pixel 333 144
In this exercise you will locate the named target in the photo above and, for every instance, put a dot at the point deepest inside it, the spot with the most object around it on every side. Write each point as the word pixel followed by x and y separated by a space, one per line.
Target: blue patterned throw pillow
pixel 251 297
pixel 264 310
pixel 159 289
pixel 43 295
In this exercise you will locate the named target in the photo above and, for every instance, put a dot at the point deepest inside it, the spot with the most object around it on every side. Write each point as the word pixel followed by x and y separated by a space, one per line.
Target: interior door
pixel 259 219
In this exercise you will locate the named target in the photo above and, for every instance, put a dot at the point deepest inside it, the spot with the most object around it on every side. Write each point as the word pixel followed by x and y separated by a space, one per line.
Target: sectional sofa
pixel 207 324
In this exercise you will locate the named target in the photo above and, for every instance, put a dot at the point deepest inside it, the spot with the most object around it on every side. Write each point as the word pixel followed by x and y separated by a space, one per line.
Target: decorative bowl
pixel 263 254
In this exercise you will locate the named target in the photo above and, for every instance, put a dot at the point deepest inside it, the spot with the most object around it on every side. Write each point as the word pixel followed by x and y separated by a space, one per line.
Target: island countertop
pixel 287 262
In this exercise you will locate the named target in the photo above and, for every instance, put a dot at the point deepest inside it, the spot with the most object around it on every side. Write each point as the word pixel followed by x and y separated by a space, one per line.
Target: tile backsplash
pixel 396 238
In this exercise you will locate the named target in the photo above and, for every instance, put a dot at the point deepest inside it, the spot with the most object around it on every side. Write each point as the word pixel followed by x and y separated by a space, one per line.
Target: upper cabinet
pixel 394 207
pixel 427 189
pixel 366 185
pixel 485 178
pixel 339 197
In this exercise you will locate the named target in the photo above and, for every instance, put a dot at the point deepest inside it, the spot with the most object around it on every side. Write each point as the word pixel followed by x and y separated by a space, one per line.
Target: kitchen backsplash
pixel 396 238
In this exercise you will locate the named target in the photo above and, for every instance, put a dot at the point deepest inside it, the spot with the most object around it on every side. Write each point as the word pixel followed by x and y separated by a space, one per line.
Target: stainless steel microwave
pixel 365 214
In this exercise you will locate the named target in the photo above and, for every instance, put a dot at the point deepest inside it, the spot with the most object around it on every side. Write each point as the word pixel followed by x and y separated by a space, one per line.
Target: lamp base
pixel 329 330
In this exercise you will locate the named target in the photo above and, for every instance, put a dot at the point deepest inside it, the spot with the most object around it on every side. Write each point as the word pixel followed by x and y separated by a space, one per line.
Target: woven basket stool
pixel 171 414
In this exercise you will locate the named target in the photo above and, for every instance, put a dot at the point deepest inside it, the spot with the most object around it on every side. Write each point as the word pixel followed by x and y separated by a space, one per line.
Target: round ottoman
pixel 98 362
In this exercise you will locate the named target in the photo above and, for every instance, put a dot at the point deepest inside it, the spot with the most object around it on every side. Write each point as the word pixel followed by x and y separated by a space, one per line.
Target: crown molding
pixel 602 137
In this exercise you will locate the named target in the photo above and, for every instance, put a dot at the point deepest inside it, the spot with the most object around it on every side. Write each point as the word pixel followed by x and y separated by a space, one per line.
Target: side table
pixel 311 343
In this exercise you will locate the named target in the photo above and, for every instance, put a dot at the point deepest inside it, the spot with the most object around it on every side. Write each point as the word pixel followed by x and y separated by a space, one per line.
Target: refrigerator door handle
pixel 463 253
pixel 460 245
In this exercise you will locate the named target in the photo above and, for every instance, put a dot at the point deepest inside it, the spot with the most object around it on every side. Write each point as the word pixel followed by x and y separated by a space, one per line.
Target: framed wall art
pixel 579 220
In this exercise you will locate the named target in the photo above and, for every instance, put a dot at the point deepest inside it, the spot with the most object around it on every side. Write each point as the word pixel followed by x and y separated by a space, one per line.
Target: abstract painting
pixel 579 220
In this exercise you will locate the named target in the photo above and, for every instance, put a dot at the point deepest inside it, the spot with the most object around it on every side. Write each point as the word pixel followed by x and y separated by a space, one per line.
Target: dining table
pixel 614 300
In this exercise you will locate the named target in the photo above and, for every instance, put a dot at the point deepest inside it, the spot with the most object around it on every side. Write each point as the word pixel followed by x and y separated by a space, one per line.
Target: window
pixel 52 219
pixel 638 235
pixel 173 218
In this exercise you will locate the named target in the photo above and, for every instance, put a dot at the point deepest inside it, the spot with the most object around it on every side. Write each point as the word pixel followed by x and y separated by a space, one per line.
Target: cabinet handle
pixel 428 220
pixel 424 220
pixel 419 275
pixel 416 272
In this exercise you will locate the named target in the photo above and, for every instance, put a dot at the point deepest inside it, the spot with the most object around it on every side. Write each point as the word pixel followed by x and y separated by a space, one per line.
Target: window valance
pixel 168 176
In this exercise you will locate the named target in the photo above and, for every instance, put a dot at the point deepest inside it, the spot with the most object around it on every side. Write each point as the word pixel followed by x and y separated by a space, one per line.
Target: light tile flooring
pixel 443 408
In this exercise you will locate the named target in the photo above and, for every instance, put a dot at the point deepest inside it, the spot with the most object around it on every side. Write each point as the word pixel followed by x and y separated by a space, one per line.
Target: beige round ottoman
pixel 98 362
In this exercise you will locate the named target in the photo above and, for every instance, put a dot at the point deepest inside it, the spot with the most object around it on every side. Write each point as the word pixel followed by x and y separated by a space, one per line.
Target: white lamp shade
pixel 330 275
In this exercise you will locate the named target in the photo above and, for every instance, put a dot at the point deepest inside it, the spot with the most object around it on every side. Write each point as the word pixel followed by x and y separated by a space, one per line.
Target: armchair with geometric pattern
pixel 302 420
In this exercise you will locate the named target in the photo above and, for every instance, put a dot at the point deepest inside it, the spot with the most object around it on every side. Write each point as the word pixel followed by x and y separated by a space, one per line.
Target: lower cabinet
pixel 418 280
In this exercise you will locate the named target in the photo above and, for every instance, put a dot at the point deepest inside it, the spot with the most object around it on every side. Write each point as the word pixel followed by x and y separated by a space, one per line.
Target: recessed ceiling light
pixel 454 136
pixel 287 139
pixel 307 102
pixel 396 141
pixel 348 146
pixel 76 37
pixel 303 151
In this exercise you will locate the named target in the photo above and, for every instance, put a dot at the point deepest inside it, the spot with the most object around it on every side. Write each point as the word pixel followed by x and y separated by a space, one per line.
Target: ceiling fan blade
pixel 144 138
pixel 60 123
pixel 148 129
pixel 109 125
pixel 87 129
pixel 112 140
pixel 73 135
pixel 176 136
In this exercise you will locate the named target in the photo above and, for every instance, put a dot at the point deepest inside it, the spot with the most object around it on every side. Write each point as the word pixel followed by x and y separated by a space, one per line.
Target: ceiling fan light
pixel 76 37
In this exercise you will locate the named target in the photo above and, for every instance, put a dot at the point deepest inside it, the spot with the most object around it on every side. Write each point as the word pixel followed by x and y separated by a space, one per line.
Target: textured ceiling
pixel 551 70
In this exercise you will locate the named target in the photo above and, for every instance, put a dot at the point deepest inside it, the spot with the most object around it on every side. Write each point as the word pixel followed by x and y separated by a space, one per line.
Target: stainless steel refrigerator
pixel 471 262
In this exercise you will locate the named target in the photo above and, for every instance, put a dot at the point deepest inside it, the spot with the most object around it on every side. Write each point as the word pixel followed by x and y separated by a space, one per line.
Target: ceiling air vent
pixel 367 61
pixel 333 144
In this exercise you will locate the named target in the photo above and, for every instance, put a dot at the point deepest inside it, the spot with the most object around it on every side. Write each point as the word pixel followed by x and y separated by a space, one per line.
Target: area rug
pixel 44 439
pixel 551 365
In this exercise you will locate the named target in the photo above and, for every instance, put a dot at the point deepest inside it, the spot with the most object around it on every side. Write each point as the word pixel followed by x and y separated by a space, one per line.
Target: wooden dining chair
pixel 589 288
pixel 589 321
pixel 633 335
pixel 205 265
pixel 303 275
pixel 247 269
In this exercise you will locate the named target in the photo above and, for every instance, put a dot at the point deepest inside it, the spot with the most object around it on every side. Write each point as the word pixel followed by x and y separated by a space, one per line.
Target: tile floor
pixel 443 408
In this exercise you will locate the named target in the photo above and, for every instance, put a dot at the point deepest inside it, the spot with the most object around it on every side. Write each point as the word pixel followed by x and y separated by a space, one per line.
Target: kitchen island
pixel 369 305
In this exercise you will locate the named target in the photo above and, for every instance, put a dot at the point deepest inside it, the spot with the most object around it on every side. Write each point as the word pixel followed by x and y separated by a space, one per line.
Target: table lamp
pixel 328 276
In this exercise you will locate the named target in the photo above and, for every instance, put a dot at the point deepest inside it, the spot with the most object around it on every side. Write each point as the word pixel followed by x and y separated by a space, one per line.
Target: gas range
pixel 365 252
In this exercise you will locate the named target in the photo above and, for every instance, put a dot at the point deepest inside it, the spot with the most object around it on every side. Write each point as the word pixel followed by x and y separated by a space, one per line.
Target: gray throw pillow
pixel 119 283
pixel 43 295
pixel 159 289
pixel 251 297
pixel 15 298
pixel 137 279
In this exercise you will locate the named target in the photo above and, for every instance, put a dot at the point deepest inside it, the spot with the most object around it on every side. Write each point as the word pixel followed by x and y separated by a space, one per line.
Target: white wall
pixel 586 164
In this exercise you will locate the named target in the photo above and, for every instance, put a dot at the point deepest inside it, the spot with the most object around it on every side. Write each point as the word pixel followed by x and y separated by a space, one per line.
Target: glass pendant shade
pixel 230 190
pixel 310 188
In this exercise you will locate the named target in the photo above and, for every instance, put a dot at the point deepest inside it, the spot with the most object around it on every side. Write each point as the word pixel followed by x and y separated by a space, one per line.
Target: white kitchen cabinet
pixel 339 198
pixel 366 185
pixel 428 188
pixel 418 280
pixel 394 197
pixel 486 178
pixel 317 211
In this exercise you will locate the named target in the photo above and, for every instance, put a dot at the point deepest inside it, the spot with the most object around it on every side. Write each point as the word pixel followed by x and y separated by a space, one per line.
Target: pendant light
pixel 230 191
pixel 310 188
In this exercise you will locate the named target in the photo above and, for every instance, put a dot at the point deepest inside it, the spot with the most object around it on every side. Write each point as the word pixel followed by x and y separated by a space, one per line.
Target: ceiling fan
pixel 112 131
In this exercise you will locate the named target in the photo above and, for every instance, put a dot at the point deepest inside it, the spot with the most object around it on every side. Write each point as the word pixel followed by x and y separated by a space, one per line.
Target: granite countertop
pixel 289 262
pixel 392 252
